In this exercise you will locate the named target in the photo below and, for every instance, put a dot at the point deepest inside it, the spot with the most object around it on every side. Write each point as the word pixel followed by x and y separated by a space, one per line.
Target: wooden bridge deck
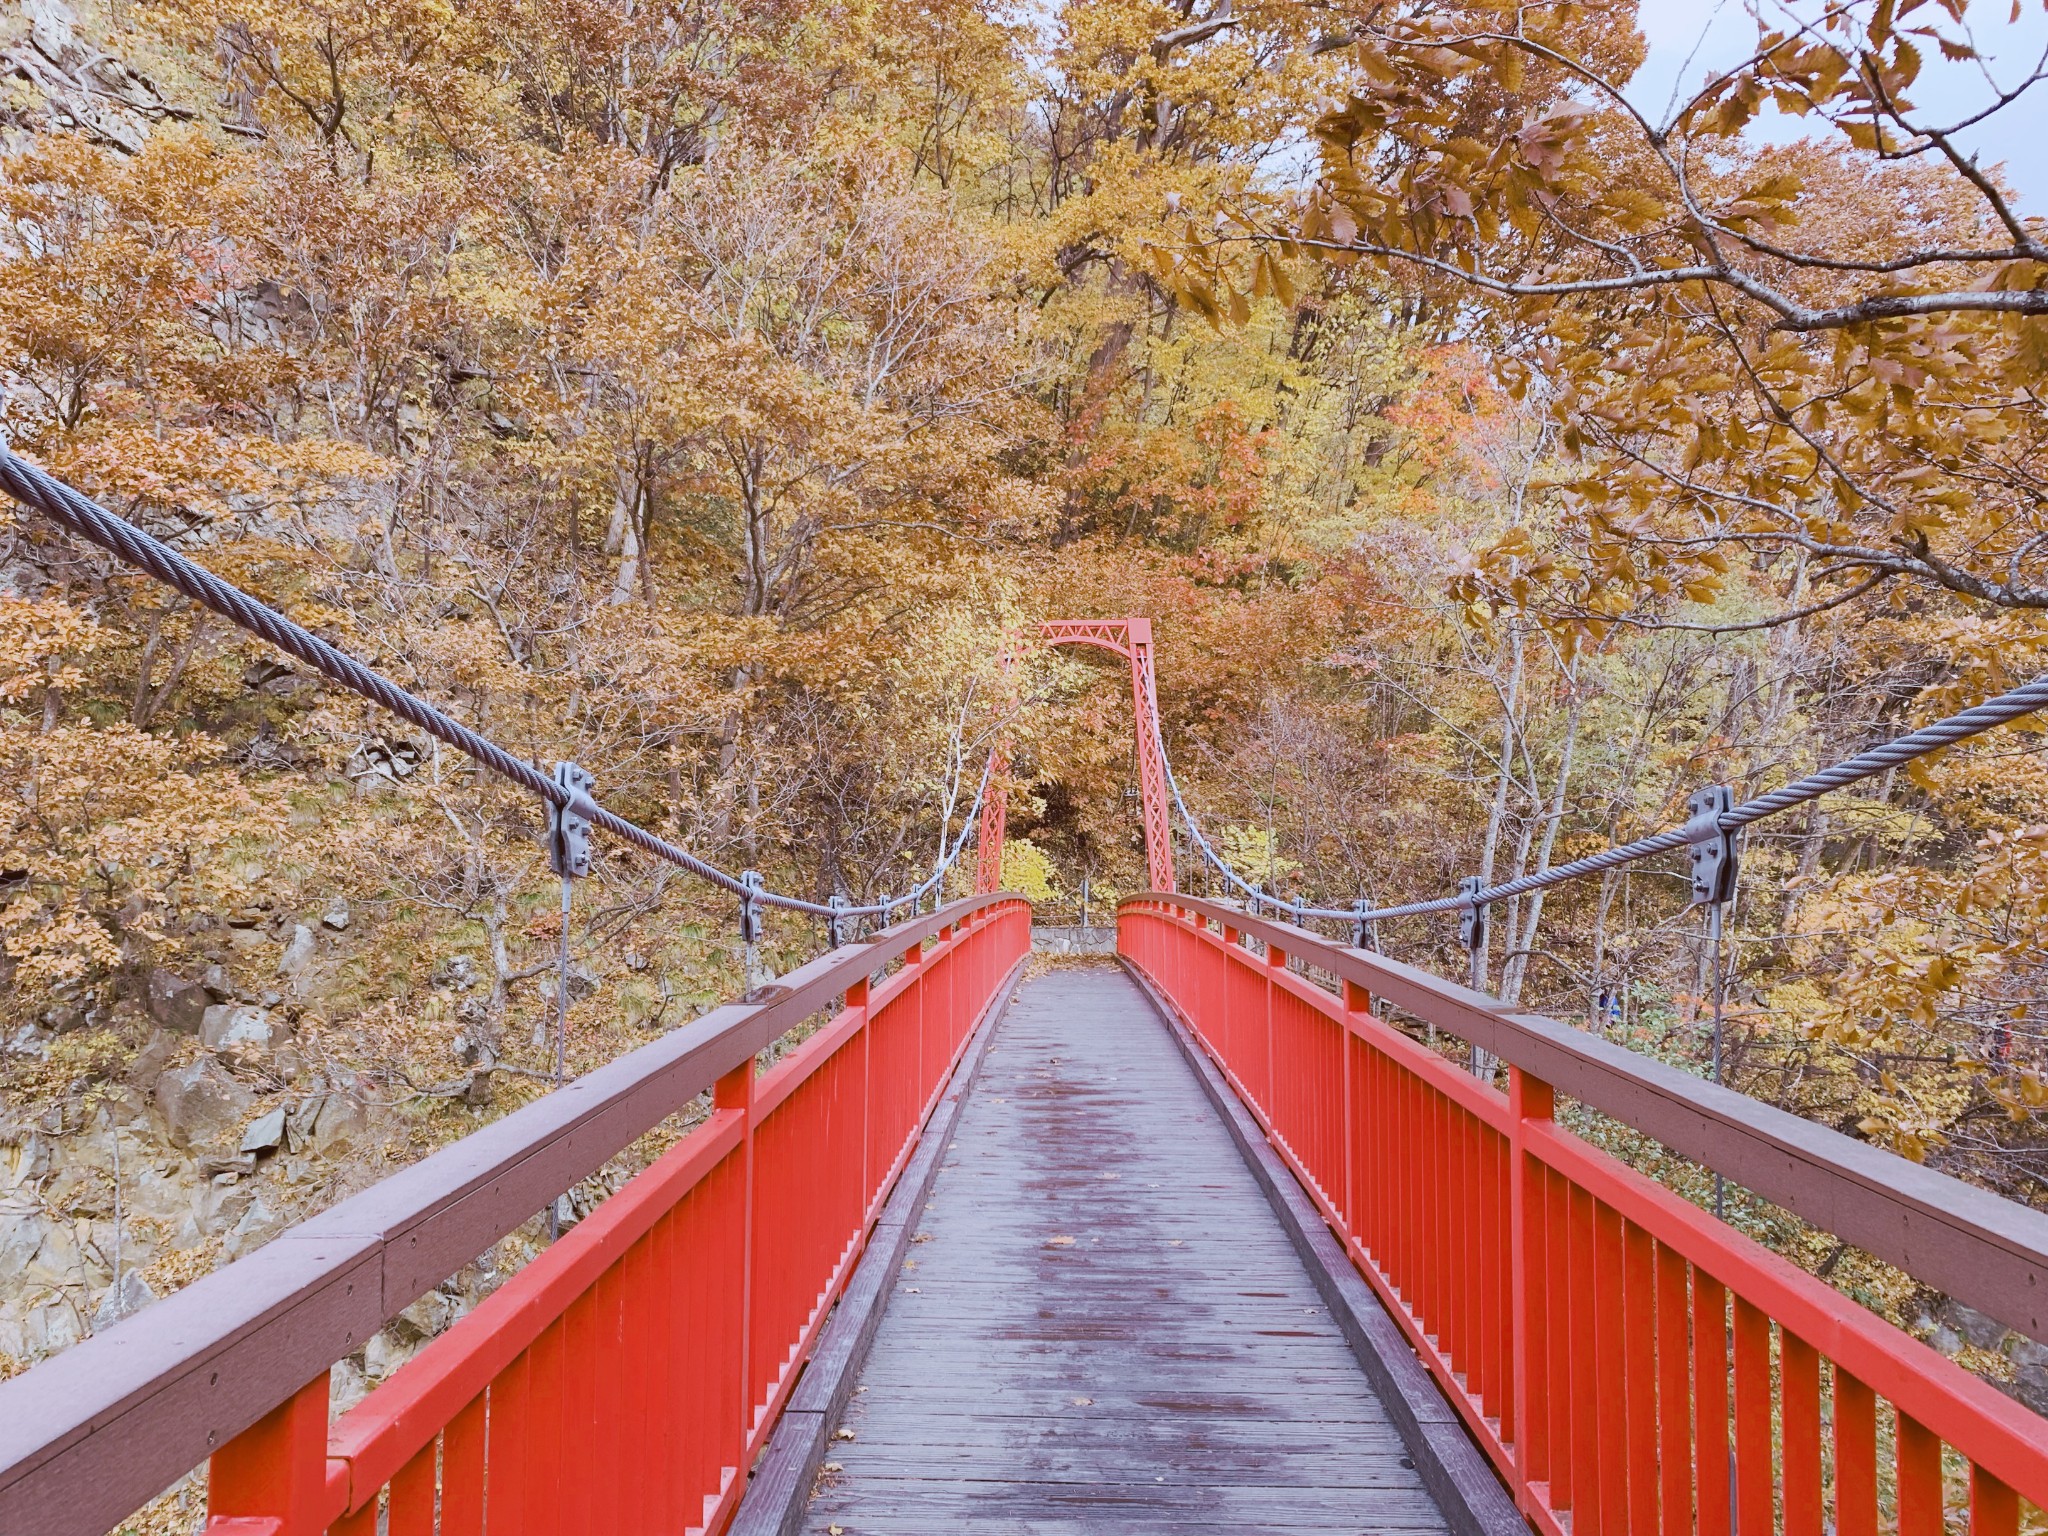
pixel 1102 1326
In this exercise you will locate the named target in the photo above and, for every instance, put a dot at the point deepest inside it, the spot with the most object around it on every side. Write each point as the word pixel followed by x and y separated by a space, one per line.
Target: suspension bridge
pixel 1205 1241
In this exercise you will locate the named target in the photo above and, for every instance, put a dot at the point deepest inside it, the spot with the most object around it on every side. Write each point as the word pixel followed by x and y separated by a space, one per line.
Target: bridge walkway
pixel 1102 1326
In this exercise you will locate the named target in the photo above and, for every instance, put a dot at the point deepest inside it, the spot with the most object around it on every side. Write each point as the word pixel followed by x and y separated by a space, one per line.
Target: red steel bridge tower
pixel 1130 638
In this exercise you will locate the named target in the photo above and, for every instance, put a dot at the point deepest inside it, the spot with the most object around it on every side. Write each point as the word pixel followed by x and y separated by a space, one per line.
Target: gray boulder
pixel 298 954
pixel 22 1230
pixel 130 1295
pixel 258 1224
pixel 430 1315
pixel 29 1041
pixel 175 1003
pixel 200 1103
pixel 2031 1387
pixel 238 1027
pixel 265 1133
pixel 330 1123
pixel 336 917
pixel 1977 1328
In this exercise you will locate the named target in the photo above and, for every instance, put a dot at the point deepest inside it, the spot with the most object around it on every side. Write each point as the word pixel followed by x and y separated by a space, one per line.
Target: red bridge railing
pixel 1631 1364
pixel 624 1379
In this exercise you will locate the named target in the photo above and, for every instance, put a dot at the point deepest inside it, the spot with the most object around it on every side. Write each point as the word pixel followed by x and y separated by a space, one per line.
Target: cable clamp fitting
pixel 1472 917
pixel 835 925
pixel 568 830
pixel 1361 929
pixel 750 906
pixel 1714 855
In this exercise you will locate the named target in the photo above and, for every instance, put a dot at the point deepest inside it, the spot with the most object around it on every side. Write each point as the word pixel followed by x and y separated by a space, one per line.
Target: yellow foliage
pixel 1027 871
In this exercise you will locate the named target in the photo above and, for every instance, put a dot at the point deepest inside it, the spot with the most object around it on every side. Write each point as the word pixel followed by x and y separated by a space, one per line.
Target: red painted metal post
pixel 1132 639
pixel 1151 759
pixel 995 805
pixel 276 1468
pixel 995 825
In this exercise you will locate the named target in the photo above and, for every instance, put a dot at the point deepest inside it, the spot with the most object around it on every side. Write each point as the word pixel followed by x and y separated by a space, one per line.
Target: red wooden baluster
pixel 1609 1370
pixel 505 1488
pixel 735 1091
pixel 1920 1493
pixel 1552 1344
pixel 912 1000
pixel 1414 1146
pixel 1639 1349
pixel 277 1467
pixel 857 1004
pixel 412 1498
pixel 1799 1432
pixel 1502 1172
pixel 1710 1405
pixel 1530 1100
pixel 644 1343
pixel 948 1022
pixel 1674 1394
pixel 1994 1508
pixel 1855 1457
pixel 1455 1303
pixel 1276 965
pixel 546 1430
pixel 1357 1005
pixel 462 1472
pixel 624 1408
pixel 1754 1492
pixel 1478 1262
pixel 589 1410
pixel 1584 1379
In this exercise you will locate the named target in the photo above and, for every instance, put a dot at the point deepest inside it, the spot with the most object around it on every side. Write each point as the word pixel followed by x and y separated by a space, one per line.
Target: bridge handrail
pixel 1627 1360
pixel 1972 1245
pixel 94 1433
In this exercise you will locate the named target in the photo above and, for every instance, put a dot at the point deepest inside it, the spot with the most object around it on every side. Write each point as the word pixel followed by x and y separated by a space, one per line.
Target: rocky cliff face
pixel 55 78
pixel 126 1173
pixel 217 1103
pixel 221 1130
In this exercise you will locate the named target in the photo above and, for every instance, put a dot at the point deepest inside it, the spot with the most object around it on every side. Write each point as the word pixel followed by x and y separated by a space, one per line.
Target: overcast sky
pixel 1693 39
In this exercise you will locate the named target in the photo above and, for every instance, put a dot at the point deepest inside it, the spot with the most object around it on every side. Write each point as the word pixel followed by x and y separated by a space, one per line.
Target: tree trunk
pixel 1522 945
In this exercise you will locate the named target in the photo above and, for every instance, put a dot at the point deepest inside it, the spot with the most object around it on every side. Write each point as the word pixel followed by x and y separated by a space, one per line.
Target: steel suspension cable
pixel 42 492
pixel 2016 704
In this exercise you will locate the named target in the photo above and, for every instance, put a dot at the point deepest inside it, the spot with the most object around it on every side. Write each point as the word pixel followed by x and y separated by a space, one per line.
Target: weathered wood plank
pixel 1099 1325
